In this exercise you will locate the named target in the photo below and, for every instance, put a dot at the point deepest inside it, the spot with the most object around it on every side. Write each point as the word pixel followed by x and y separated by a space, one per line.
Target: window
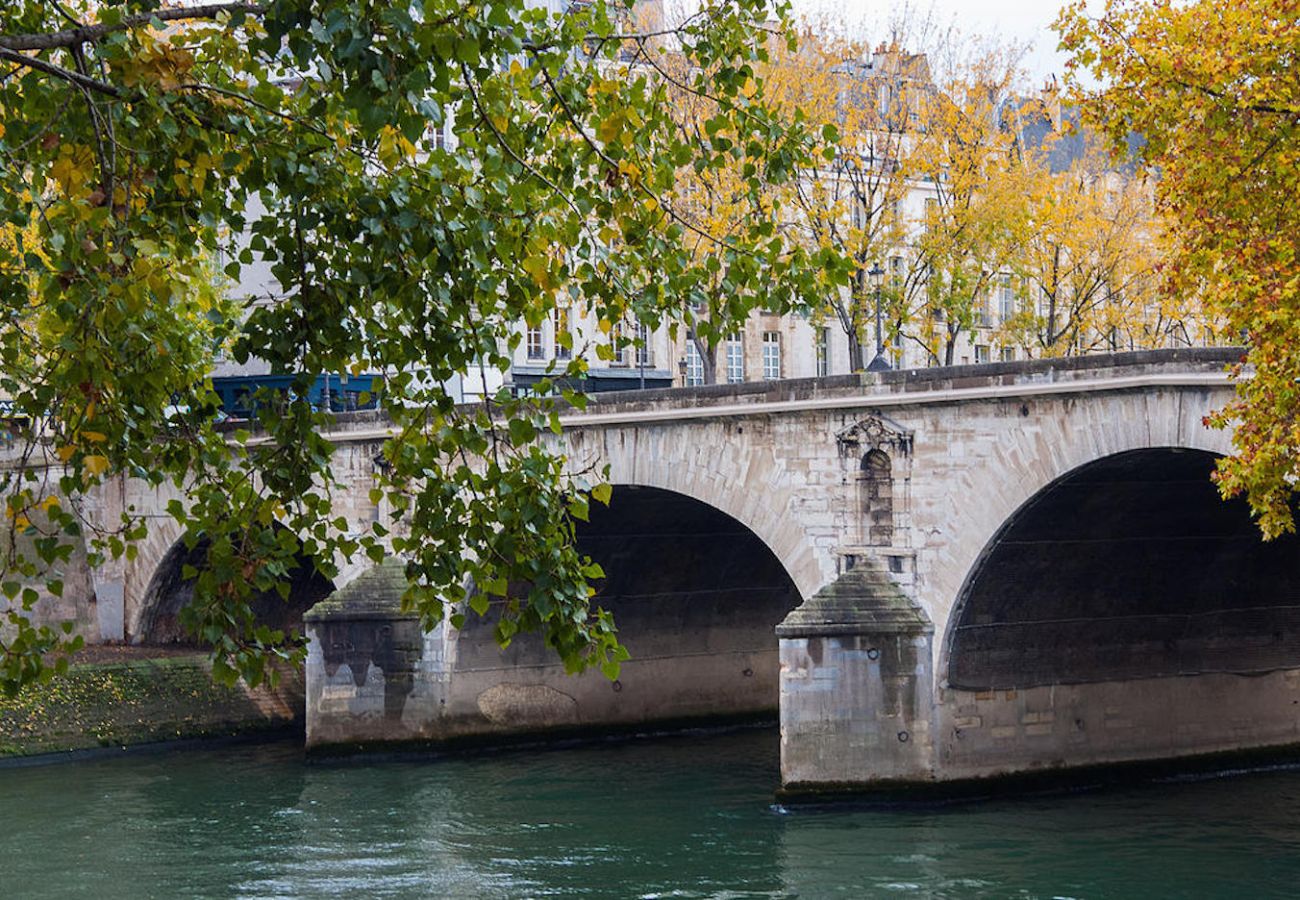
pixel 563 336
pixel 536 344
pixel 694 364
pixel 823 352
pixel 981 353
pixel 735 360
pixel 1008 354
pixel 882 99
pixel 858 217
pixel 895 272
pixel 617 343
pixel 643 355
pixel 771 355
pixel 1006 299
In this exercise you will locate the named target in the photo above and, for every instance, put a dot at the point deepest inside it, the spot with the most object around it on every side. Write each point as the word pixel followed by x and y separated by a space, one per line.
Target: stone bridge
pixel 933 575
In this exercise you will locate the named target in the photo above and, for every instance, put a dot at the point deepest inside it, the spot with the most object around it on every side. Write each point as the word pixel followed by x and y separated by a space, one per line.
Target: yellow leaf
pixel 609 129
pixel 94 436
pixel 96 465
pixel 65 452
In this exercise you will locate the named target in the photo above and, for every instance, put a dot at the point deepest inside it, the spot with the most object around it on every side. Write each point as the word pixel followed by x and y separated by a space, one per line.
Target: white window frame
pixel 694 364
pixel 535 342
pixel 734 349
pixel 771 356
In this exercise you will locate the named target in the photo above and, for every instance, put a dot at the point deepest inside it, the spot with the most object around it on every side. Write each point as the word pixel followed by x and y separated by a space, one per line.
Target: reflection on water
pixel 681 817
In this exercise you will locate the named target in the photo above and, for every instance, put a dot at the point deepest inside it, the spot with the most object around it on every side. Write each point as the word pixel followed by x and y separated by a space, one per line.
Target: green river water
pixel 689 816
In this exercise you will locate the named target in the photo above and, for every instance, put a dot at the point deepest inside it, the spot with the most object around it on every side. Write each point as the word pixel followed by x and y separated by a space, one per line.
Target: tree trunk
pixel 856 362
pixel 708 358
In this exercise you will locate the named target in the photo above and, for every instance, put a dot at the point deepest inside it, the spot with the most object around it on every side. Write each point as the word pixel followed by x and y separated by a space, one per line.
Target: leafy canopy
pixel 142 145
pixel 1214 91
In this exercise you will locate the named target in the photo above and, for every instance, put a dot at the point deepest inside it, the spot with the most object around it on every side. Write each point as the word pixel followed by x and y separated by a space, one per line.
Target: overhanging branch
pixel 40 65
pixel 71 37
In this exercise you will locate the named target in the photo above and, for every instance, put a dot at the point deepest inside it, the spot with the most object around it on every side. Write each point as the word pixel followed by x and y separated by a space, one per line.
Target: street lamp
pixel 879 364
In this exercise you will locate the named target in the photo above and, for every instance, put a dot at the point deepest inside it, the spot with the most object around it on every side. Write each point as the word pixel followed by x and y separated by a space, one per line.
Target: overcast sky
pixel 1024 21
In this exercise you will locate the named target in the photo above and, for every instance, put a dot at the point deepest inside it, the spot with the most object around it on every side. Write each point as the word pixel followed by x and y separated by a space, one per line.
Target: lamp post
pixel 879 363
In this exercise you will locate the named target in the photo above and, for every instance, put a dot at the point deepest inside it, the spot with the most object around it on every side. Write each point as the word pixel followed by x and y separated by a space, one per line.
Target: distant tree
pixel 1212 90
pixel 864 103
pixel 1086 271
pixel 975 218
pixel 419 178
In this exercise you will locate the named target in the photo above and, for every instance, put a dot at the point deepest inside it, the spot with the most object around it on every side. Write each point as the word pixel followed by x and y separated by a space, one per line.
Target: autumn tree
pixel 865 103
pixel 974 219
pixel 140 142
pixel 1212 91
pixel 1086 270
pixel 734 194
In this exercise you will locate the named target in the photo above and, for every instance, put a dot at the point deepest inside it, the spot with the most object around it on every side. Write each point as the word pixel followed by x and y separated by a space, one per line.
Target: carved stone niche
pixel 882 449
pixel 875 432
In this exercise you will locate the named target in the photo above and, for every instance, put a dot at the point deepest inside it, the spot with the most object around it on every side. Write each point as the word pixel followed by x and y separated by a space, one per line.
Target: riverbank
pixel 134 696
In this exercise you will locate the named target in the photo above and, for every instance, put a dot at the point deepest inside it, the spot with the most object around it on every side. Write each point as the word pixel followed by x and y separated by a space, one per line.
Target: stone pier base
pixel 856 698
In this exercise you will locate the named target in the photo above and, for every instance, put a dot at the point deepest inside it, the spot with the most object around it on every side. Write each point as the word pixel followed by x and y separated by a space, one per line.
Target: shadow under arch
pixel 696 596
pixel 169 592
pixel 1128 567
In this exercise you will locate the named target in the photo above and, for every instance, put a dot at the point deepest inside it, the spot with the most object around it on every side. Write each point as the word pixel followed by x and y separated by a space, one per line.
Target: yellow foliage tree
pixel 1212 89
pixel 975 218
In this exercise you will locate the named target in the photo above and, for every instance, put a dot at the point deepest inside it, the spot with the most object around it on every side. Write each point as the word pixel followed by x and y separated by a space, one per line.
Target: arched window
pixel 876 498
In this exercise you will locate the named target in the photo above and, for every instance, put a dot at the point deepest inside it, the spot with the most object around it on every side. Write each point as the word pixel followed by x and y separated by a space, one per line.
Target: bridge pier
pixel 856 696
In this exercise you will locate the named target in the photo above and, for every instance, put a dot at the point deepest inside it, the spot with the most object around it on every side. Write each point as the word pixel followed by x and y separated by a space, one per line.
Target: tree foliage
pixel 1214 92
pixel 141 143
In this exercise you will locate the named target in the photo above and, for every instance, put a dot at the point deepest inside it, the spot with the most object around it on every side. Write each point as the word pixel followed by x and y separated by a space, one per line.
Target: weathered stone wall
pixel 696 597
pixel 996 732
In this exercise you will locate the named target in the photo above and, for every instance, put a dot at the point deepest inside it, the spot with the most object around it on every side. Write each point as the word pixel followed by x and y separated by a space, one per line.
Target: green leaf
pixel 522 432
pixel 479 603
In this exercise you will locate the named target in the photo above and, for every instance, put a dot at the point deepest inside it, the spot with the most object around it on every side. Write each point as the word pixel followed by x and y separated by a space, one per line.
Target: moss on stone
pixel 132 702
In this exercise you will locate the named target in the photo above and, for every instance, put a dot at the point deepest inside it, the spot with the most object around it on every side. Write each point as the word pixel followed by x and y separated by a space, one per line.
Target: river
pixel 688 816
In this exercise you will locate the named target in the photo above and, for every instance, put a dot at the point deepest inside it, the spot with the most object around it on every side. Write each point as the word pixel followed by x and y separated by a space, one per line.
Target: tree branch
pixel 71 37
pixel 40 65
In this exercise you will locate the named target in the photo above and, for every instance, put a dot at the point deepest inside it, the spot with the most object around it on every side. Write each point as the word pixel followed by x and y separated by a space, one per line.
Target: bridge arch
pixel 696 597
pixel 156 618
pixel 1127 567
pixel 727 465
pixel 1041 442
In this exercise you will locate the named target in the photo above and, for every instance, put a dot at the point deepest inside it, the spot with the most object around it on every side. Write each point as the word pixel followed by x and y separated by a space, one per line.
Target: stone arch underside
pixel 1124 612
pixel 966 499
pixel 696 597
pixel 1128 567
pixel 169 591
pixel 728 465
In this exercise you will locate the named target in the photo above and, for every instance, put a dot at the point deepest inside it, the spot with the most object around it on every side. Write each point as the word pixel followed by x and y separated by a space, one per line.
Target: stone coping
pixel 374 594
pixel 864 600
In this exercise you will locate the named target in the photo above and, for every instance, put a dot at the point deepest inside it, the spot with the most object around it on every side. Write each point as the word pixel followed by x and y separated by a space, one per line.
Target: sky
pixel 1023 21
